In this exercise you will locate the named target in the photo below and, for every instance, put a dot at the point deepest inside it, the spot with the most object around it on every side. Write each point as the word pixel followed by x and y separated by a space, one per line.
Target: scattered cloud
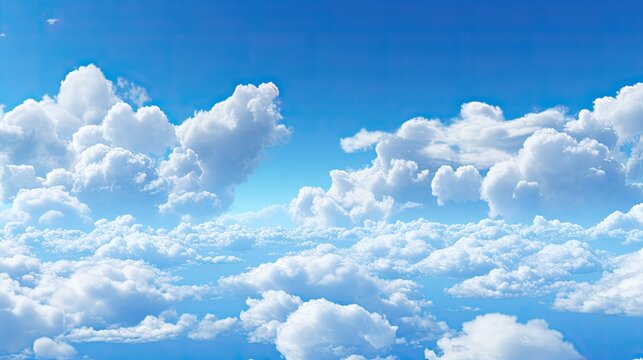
pixel 320 329
pixel 502 337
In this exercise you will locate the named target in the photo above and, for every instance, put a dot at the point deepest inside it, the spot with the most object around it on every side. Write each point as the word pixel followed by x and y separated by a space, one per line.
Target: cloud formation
pixel 85 147
pixel 502 337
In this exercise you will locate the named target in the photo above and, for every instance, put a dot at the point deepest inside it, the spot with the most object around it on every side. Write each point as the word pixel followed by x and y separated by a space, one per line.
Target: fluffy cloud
pixel 264 316
pixel 375 192
pixel 145 131
pixel 28 135
pixel 619 291
pixel 541 163
pixel 398 177
pixel 86 94
pixel 555 173
pixel 458 186
pixel 628 226
pixel 623 112
pixel 47 206
pixel 362 140
pixel 108 291
pixel 231 138
pixel 23 318
pixel 109 156
pixel 46 348
pixel 536 274
pixel 320 329
pixel 501 337
pixel 167 326
pixel 322 273
pixel 479 136
pixel 209 327
pixel 150 329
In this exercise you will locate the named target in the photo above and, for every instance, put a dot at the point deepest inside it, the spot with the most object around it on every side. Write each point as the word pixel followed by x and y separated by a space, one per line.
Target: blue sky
pixel 399 179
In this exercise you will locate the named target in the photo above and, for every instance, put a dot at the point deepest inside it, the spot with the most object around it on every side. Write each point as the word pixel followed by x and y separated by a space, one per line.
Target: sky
pixel 329 180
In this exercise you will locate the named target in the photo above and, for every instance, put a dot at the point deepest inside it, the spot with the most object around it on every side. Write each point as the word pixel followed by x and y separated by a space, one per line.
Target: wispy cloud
pixel 52 21
pixel 2 35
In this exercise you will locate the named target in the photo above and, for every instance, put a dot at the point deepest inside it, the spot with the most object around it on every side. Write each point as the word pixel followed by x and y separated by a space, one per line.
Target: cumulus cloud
pixel 264 316
pixel 362 140
pixel 619 291
pixel 320 329
pixel 150 329
pixel 108 291
pixel 372 193
pixel 535 274
pixel 323 273
pixel 167 326
pixel 89 141
pixel 46 206
pixel 541 163
pixel 623 111
pixel 628 226
pixel 231 138
pixel 86 94
pixel 210 326
pixel 23 318
pixel 555 173
pixel 46 348
pixel 145 131
pixel 502 337
pixel 459 186
pixel 399 176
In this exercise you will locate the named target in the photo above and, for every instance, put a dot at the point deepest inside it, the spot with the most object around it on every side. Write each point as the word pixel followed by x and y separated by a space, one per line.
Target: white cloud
pixel 534 275
pixel 27 318
pixel 150 329
pixel 372 193
pixel 167 326
pixel 145 131
pixel 132 92
pixel 619 291
pixel 319 273
pixel 46 348
pixel 264 316
pixel 109 156
pixel 209 327
pixel 623 111
pixel 103 292
pixel 52 21
pixel 104 168
pixel 362 140
pixel 322 273
pixel 628 226
pixel 553 173
pixel 86 94
pixel 47 206
pixel 29 136
pixel 501 337
pixel 479 136
pixel 475 254
pixel 13 178
pixel 459 186
pixel 231 138
pixel 320 329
